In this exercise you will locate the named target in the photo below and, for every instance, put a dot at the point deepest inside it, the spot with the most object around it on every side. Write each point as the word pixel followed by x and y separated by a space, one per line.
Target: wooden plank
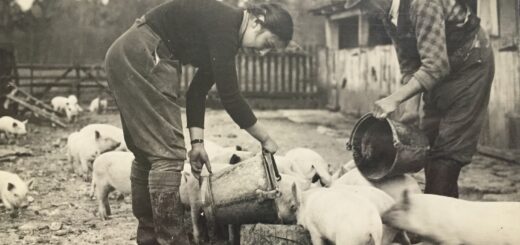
pixel 274 234
pixel 53 118
pixel 512 156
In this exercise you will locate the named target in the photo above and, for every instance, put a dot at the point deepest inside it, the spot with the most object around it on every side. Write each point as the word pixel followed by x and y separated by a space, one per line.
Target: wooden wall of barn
pixel 362 75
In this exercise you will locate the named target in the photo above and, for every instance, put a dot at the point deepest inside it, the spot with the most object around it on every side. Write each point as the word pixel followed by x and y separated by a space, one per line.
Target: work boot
pixel 441 177
pixel 167 208
pixel 141 206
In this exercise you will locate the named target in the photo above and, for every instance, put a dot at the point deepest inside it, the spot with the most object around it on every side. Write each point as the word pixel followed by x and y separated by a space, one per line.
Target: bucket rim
pixel 365 117
pixel 395 142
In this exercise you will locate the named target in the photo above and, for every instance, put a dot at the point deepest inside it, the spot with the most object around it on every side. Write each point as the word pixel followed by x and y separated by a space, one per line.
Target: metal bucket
pixel 385 148
pixel 243 193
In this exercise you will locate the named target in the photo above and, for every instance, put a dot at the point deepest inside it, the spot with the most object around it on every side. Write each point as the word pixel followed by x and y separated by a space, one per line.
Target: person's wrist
pixel 197 142
pixel 265 139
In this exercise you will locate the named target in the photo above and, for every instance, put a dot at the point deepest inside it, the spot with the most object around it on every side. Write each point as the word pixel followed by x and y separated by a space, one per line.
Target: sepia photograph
pixel 260 122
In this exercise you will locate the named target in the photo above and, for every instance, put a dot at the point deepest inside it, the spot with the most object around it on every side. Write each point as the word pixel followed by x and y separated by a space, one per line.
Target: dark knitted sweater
pixel 205 34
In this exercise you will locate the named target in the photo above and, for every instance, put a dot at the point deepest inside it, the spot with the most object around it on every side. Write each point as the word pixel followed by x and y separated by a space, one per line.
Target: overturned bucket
pixel 243 193
pixel 385 148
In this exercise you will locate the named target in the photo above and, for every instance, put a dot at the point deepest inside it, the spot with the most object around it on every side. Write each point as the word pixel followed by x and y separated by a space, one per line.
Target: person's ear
pixel 257 23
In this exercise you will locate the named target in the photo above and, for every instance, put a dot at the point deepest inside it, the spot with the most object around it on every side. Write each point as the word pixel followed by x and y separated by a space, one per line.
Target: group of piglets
pixel 70 107
pixel 349 209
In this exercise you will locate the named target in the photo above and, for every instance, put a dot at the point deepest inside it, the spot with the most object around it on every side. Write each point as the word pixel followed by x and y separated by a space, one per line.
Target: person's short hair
pixel 277 19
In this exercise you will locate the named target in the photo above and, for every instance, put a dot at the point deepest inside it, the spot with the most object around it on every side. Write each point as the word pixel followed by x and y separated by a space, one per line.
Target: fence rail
pixel 276 76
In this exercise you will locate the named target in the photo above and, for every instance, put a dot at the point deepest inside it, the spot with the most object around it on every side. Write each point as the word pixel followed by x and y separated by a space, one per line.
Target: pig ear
pixel 25 122
pixel 30 183
pixel 238 148
pixel 15 124
pixel 234 159
pixel 98 135
pixel 10 186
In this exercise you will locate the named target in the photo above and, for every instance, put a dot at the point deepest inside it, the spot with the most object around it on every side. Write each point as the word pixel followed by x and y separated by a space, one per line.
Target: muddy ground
pixel 63 213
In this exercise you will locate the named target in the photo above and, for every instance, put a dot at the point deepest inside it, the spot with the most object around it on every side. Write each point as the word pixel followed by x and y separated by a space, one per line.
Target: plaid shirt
pixel 425 54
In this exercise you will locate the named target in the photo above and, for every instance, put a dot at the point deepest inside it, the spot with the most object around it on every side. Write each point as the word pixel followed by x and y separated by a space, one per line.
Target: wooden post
pixel 282 75
pixel 254 78
pixel 77 82
pixel 274 234
pixel 276 75
pixel 262 73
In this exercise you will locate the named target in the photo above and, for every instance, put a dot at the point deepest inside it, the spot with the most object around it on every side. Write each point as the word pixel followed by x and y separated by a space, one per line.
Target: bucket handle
pixel 266 154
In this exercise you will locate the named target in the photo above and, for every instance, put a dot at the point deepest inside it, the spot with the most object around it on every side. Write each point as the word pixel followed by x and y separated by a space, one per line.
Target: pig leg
pixel 194 196
pixel 93 186
pixel 389 234
pixel 315 236
pixel 102 196
pixel 7 205
pixel 84 169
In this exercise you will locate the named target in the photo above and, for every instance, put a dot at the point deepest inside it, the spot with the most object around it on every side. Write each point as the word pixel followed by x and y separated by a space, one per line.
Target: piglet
pixel 84 147
pixel 447 220
pixel 62 104
pixel 107 131
pixel 286 203
pixel 110 171
pixel 310 165
pixel 13 190
pixel 393 186
pixel 98 105
pixel 382 201
pixel 10 126
pixel 73 101
pixel 342 217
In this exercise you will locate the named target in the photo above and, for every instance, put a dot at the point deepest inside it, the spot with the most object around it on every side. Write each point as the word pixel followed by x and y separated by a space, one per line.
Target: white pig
pixel 190 195
pixel 393 186
pixel 110 171
pixel 62 104
pixel 109 131
pixel 98 105
pixel 73 101
pixel 10 126
pixel 310 165
pixel 380 199
pixel 230 155
pixel 286 203
pixel 342 217
pixel 13 190
pixel 83 148
pixel 343 169
pixel 446 220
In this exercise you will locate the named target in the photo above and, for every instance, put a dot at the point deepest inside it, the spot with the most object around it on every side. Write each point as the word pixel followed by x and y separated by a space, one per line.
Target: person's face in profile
pixel 261 38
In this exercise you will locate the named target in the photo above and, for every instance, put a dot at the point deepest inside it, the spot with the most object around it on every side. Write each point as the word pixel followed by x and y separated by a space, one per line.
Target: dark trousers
pixel 144 83
pixel 454 113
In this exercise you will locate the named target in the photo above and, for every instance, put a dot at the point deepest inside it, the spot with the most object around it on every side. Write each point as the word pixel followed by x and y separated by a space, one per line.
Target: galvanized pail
pixel 243 193
pixel 385 148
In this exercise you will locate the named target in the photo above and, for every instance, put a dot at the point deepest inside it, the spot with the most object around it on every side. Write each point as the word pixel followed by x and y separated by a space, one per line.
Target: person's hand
pixel 270 145
pixel 385 106
pixel 198 158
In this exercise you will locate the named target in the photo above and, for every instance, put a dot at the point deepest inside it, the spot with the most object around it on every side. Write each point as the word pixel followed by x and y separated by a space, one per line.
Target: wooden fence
pixel 282 76
pixel 360 76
